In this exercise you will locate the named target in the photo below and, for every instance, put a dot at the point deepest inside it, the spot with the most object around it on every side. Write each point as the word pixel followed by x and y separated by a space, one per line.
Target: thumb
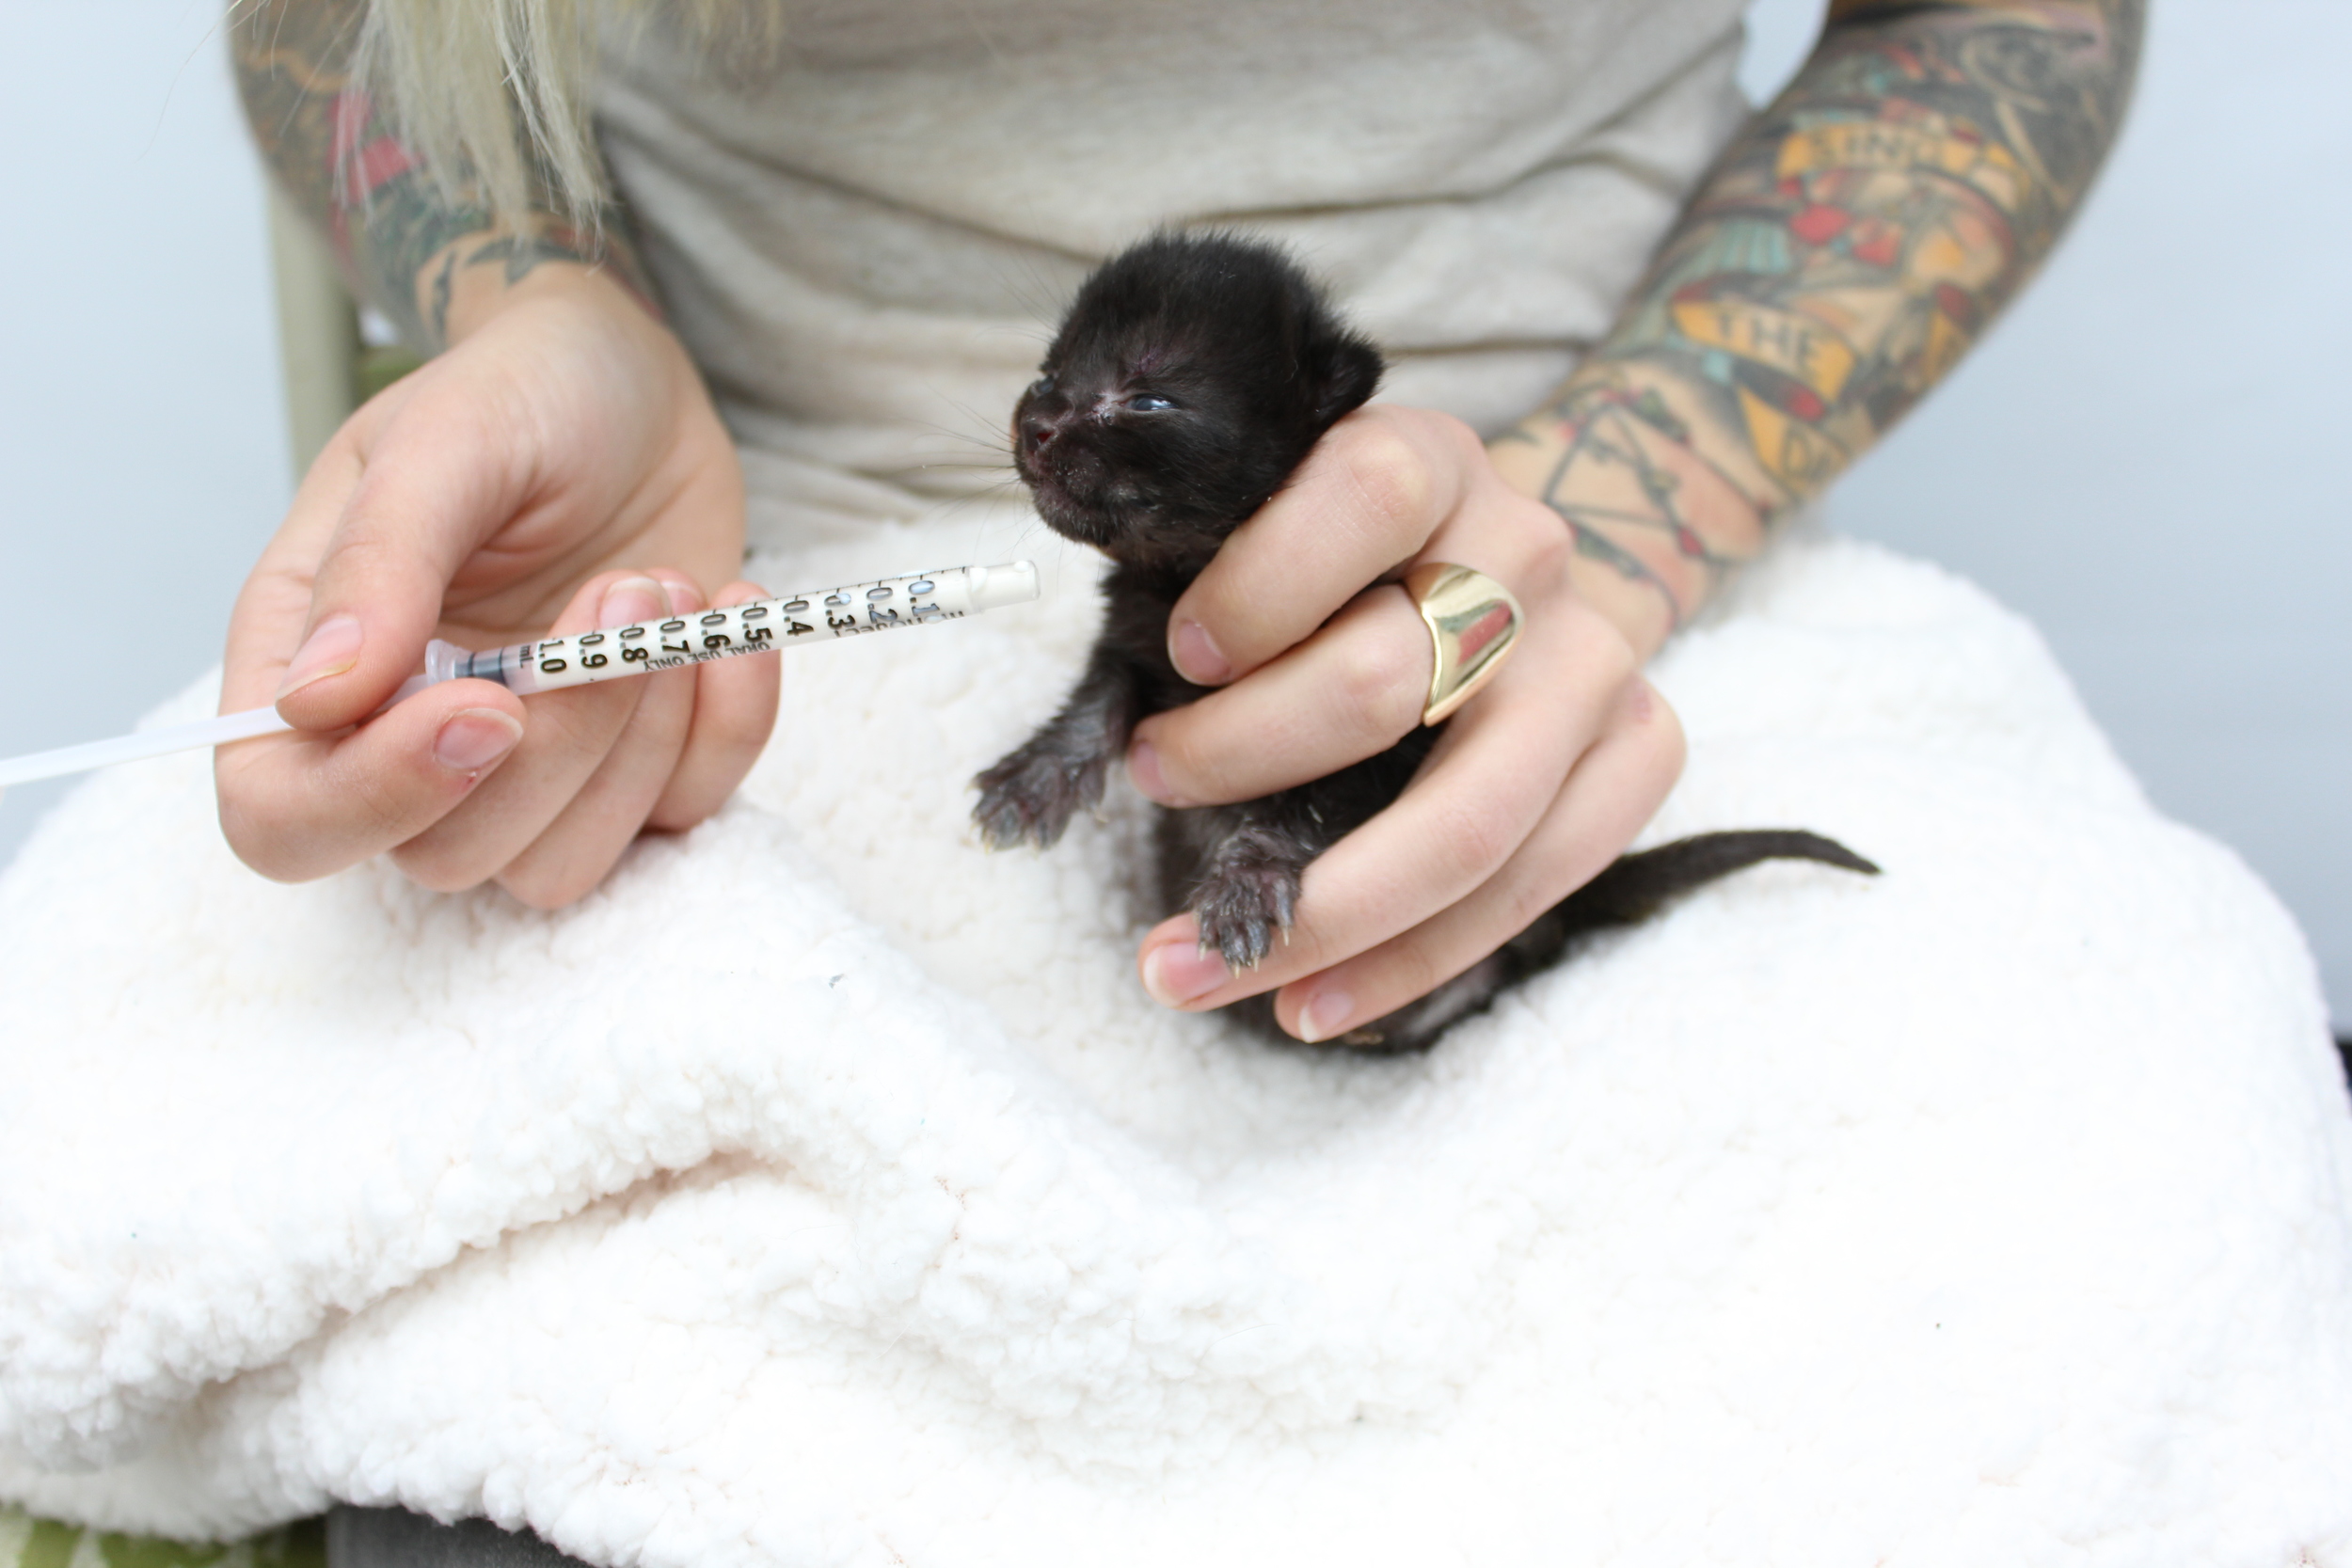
pixel 432 488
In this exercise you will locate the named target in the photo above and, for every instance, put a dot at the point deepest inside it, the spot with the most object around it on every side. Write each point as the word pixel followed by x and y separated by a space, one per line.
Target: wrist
pixel 1662 503
pixel 463 290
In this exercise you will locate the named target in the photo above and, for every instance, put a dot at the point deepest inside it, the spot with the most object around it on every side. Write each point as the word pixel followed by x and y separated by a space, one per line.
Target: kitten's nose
pixel 1038 431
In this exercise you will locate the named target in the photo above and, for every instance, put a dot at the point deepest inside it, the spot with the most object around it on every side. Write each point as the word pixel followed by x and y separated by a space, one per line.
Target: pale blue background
pixel 2144 457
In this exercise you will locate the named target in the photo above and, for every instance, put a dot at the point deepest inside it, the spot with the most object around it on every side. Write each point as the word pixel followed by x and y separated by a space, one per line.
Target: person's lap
pixel 1984 1059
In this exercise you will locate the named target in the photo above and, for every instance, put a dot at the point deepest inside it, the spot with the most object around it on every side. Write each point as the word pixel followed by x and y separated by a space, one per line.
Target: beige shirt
pixel 867 239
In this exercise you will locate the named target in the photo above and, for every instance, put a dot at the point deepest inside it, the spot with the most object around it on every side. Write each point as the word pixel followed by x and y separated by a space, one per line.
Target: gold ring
pixel 1473 622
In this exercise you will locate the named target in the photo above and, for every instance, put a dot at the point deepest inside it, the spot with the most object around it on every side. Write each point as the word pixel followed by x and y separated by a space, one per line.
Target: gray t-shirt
pixel 864 237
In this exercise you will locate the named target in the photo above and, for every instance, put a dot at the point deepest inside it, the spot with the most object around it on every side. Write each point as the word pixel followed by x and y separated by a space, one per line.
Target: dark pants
pixel 395 1538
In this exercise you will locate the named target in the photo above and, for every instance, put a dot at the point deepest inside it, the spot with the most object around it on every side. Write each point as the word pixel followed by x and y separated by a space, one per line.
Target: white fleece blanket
pixel 824 1192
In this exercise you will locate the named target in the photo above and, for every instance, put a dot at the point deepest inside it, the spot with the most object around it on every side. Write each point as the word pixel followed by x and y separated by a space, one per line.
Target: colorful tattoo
pixel 401 238
pixel 1851 246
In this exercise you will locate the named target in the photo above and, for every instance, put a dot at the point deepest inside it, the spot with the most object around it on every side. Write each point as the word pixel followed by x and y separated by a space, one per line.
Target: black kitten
pixel 1191 377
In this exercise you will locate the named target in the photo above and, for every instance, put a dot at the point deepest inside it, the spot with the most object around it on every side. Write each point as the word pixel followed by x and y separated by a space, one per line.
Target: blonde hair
pixel 493 95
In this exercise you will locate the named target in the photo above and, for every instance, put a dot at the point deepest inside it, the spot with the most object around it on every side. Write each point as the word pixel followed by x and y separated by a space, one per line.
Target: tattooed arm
pixel 1852 245
pixel 404 245
pixel 557 465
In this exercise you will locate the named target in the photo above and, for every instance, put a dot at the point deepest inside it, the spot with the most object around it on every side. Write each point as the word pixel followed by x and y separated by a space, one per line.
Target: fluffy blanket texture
pixel 825 1192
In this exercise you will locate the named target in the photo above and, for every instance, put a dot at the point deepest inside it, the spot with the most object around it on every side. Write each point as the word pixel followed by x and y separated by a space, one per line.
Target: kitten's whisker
pixel 996 440
pixel 1038 298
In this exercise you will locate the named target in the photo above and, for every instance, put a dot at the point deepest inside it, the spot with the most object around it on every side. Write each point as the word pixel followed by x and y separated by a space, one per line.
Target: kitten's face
pixel 1190 378
pixel 1140 445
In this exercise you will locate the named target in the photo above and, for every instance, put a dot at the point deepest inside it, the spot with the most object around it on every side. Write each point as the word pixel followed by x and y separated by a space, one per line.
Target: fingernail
pixel 1176 971
pixel 1196 656
pixel 1325 1017
pixel 332 648
pixel 632 600
pixel 1143 767
pixel 474 739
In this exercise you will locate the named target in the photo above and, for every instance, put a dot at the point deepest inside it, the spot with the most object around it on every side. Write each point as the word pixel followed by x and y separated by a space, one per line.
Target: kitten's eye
pixel 1151 403
pixel 1041 385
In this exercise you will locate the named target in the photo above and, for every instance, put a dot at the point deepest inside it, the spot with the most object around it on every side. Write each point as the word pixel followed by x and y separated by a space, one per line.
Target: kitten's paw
pixel 1242 904
pixel 1031 794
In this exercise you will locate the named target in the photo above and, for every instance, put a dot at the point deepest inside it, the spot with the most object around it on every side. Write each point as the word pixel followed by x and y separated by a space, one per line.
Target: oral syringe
pixel 614 653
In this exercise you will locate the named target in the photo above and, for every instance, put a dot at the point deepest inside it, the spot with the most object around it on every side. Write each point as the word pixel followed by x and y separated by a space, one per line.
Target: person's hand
pixel 1540 782
pixel 560 469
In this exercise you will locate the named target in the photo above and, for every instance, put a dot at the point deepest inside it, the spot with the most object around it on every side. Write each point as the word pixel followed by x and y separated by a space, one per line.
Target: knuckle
pixel 436 867
pixel 378 804
pixel 1394 482
pixel 1463 443
pixel 545 888
pixel 262 846
pixel 1548 551
pixel 1381 687
pixel 739 734
pixel 1605 652
pixel 1661 725
pixel 1188 766
pixel 285 841
pixel 689 810
pixel 1473 839
pixel 1664 767
pixel 1529 899
pixel 365 544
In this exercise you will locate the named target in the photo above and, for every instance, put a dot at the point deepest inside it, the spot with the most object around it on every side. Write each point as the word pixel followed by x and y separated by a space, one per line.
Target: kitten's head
pixel 1193 374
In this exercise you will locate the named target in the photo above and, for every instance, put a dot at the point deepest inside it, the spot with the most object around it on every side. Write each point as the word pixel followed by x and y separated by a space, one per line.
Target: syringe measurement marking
pixel 728 633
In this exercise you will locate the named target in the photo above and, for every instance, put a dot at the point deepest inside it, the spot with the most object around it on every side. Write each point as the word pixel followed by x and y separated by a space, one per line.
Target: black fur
pixel 1190 379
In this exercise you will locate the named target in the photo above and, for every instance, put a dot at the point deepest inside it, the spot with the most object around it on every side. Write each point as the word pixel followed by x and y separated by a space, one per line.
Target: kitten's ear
pixel 1348 373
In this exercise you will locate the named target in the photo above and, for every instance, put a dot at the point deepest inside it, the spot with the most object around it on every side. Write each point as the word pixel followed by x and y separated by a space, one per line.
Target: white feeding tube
pixel 614 653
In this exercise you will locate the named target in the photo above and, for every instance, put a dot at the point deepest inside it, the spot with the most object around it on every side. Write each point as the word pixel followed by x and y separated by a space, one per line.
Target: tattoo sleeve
pixel 405 242
pixel 1850 247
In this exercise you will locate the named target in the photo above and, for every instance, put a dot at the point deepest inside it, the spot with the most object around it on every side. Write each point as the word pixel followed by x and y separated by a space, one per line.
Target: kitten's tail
pixel 1629 892
pixel 1637 886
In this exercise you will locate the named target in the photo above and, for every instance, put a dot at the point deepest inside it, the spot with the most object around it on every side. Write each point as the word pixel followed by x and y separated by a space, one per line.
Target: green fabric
pixel 29 1542
pixel 378 368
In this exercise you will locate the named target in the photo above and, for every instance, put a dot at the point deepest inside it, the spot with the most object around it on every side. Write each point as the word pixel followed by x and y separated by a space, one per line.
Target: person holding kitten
pixel 1632 328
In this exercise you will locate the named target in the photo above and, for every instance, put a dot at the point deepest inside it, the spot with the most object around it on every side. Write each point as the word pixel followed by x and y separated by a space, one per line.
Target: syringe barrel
pixel 763 625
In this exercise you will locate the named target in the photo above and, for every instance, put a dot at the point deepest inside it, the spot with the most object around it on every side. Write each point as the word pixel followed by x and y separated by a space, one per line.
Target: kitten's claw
pixel 1241 906
pixel 1030 795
